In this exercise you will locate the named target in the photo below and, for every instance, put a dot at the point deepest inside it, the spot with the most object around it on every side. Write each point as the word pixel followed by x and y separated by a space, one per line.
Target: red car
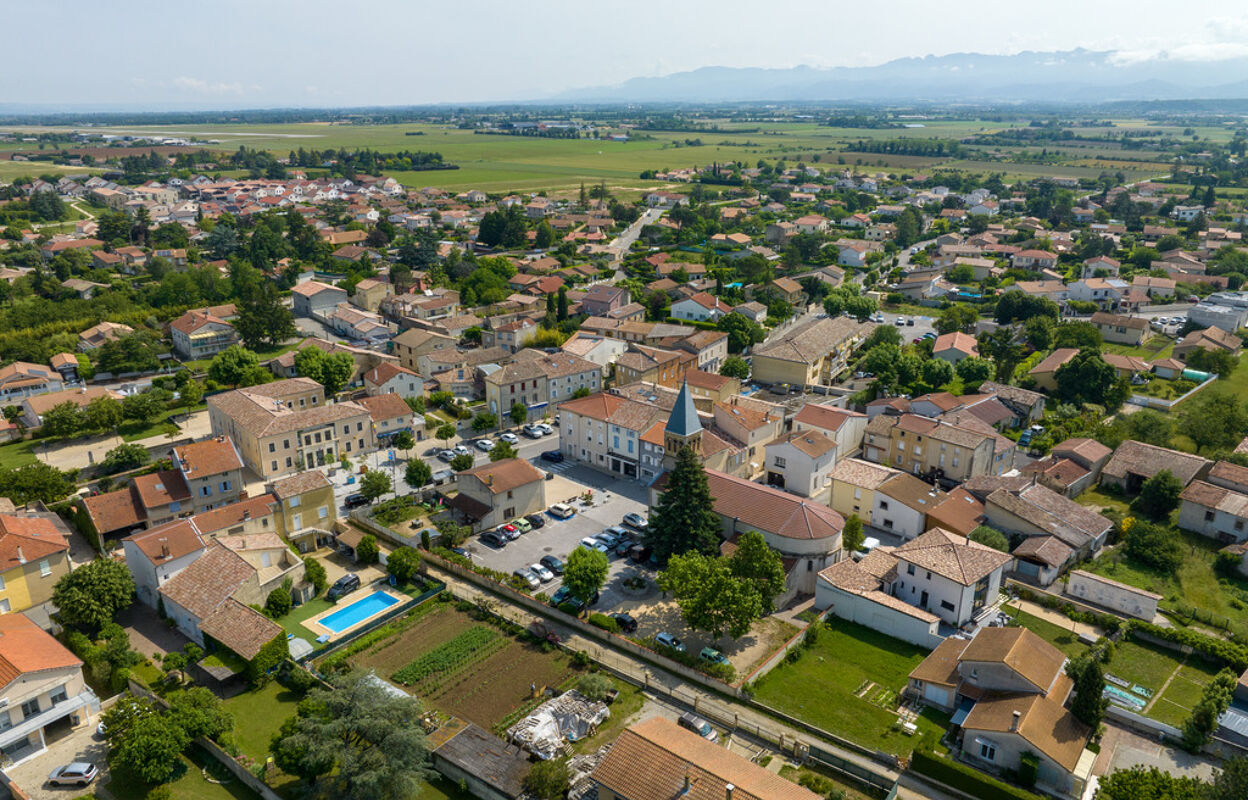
pixel 510 531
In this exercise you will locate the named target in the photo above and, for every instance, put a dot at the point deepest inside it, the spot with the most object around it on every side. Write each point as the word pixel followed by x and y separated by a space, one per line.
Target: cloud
pixel 200 86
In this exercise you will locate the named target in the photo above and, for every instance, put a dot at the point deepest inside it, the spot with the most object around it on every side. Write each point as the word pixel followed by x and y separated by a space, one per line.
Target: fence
pixel 1167 405
pixel 435 588
pixel 1141 724
pixel 213 749
pixel 777 657
pixel 1061 599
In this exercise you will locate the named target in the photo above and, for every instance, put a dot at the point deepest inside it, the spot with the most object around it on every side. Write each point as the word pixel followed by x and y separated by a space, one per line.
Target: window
pixel 4 606
pixel 883 505
pixel 510 494
pixel 359 426
pixel 30 708
pixel 929 576
pixel 289 463
pixel 987 750
pixel 175 506
pixel 946 605
pixel 272 447
pixel 45 568
pixel 6 721
pixel 205 491
pixel 296 522
pixel 294 501
pixel 225 486
pixel 779 462
pixel 323 512
pixel 273 465
pixel 285 444
pixel 1 584
pixel 59 695
pixel 909 569
pixel 857 494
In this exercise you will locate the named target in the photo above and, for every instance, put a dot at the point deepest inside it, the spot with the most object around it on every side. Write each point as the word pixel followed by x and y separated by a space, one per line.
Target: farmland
pixel 464 666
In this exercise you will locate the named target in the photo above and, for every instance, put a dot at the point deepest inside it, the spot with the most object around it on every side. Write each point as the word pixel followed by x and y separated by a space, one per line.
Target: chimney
pixel 688 785
pixel 728 791
pixel 21 558
pixel 246 513
pixel 1014 721
pixel 164 548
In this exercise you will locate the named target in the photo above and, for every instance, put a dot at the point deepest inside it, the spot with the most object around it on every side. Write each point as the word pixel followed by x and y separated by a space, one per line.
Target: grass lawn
pixel 1183 693
pixel 1059 637
pixel 257 716
pixel 625 706
pixel 293 622
pixel 1152 349
pixel 1096 499
pixel 133 431
pixel 1143 663
pixel 848 684
pixel 848 790
pixel 17 454
pixel 189 784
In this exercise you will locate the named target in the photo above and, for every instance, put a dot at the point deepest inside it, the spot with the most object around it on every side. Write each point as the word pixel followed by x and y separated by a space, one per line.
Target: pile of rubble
pixel 567 718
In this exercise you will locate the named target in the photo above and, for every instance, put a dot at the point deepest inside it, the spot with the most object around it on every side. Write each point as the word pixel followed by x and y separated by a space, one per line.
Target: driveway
pixel 149 634
pixel 77 745
pixel 1123 749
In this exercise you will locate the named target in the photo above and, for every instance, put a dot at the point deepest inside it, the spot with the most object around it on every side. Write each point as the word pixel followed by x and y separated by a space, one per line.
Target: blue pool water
pixel 358 611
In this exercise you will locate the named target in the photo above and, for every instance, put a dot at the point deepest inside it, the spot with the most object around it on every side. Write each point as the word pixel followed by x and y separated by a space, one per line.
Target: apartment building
pixel 936 449
pixel 539 381
pixel 813 353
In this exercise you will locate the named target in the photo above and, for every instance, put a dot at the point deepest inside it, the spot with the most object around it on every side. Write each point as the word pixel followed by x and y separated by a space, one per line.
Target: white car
pixel 593 544
pixel 462 450
pixel 545 429
pixel 485 445
pixel 541 572
pixel 509 438
pixel 528 577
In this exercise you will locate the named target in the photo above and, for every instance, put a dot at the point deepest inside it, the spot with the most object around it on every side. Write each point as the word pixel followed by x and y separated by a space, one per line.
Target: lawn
pixel 1143 663
pixel 189 784
pixel 133 431
pixel 1152 349
pixel 293 622
pixel 1184 692
pixel 258 715
pixel 1098 500
pixel 848 790
pixel 848 684
pixel 17 454
pixel 1059 637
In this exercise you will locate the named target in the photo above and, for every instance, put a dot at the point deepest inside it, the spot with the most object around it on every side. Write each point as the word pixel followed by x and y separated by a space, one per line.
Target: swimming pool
pixel 357 612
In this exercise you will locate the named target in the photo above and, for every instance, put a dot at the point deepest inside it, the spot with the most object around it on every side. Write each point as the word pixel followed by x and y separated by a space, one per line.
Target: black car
pixel 493 539
pixel 355 500
pixel 536 520
pixel 625 621
pixel 552 455
pixel 553 564
pixel 345 585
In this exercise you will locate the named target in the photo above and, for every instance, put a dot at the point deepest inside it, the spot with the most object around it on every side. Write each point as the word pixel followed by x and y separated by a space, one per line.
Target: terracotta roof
pixel 113 511
pixel 671 754
pixel 25 648
pixel 813 340
pixel 161 488
pixel 941 665
pixel 1210 339
pixel 1045 724
pixel 1074 524
pixel 386 406
pixel 384 372
pixel 828 418
pixel 1061 470
pixel 1048 550
pixel 864 474
pixel 35 537
pixel 1054 360
pixel 1224 472
pixel 1022 651
pixel 505 475
pixel 911 492
pixel 1216 497
pixel 218 519
pixel 1088 451
pixel 706 380
pixel 209 581
pixel 169 541
pixel 951 556
pixel 851 576
pixel 240 628
pixel 301 483
pixel 959 512
pixel 41 404
pixel 209 457
pixel 1120 321
pixel 253 409
pixel 959 341
pixel 312 288
pixel 766 509
pixel 812 443
pixel 1139 458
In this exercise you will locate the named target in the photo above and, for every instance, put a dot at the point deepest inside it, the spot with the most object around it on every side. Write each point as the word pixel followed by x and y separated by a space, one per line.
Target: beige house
pixel 846 428
pixel 936 448
pixel 799 462
pixel 1045 373
pixel 370 292
pixel 1119 329
pixel 854 483
pixel 43 685
pixel 813 353
pixel 413 343
pixel 539 381
pixel 499 491
pixel 285 426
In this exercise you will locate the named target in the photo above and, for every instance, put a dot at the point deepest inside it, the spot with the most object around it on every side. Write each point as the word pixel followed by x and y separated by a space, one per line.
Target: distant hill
pixel 1074 76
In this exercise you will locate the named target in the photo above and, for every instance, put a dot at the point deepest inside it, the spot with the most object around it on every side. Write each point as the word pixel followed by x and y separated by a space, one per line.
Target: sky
pixel 130 54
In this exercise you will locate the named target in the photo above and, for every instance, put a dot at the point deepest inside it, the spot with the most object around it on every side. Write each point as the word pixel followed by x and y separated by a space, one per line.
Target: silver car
pixel 543 574
pixel 528 577
pixel 79 773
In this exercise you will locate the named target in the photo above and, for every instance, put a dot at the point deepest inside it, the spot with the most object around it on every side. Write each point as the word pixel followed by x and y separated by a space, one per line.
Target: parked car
pixel 639 554
pixel 699 726
pixel 625 621
pixel 355 500
pixel 525 574
pixel 636 521
pixel 929 335
pixel 608 537
pixel 546 429
pixel 509 438
pixel 910 322
pixel 446 455
pixel 623 547
pixel 899 321
pixel 543 574
pixel 494 539
pixel 462 450
pixel 484 445
pixel 712 656
pixel 594 544
pixel 561 511
pixel 564 595
pixel 511 532
pixel 667 640
pixel 553 455
pixel 521 524
pixel 553 564
pixel 79 773
pixel 345 585
pixel 535 521
pixel 532 431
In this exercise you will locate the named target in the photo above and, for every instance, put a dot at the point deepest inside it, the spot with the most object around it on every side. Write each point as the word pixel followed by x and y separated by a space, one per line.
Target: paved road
pixel 620 245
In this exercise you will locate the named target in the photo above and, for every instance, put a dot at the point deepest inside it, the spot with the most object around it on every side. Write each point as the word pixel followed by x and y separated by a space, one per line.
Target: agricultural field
pixel 465 667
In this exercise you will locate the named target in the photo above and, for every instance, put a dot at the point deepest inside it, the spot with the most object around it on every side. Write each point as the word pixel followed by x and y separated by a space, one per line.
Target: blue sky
pixel 290 53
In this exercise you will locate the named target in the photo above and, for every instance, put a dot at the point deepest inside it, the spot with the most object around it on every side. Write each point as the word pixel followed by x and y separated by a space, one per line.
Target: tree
pixel 375 483
pixel 91 595
pixel 314 571
pixel 1078 334
pixel 331 370
pixel 1015 306
pixel 585 573
pixel 278 603
pixel 1153 546
pixel 883 334
pixel 957 317
pixel 199 712
pixel 742 332
pixel 861 307
pixel 150 748
pixel 561 304
pixel 417 473
pixel 355 740
pixel 1231 783
pixel 519 413
pixel 991 537
pixel 1159 495
pixel 484 421
pixel 974 369
pixel 735 367
pixel 711 598
pixel 502 451
pixel 124 457
pixel 1088 704
pixel 852 537
pixel 446 432
pixel 461 462
pixel 232 365
pixel 1214 420
pixel 684 518
pixel 403 564
pixel 453 534
pixel 548 780
pixel 1199 727
pixel 760 566
pixel 143 408
pixel 102 414
pixel 262 317
pixel 366 551
pixel 1150 783
pixel 1086 378
pixel 937 372
pixel 62 420
pixel 545 235
pixel 39 481
pixel 403 440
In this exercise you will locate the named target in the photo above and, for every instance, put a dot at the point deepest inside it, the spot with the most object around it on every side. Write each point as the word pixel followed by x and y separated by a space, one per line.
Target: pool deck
pixel 314 624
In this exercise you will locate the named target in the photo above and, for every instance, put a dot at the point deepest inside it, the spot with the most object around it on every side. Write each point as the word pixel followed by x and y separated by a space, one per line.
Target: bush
pixel 367 552
pixel 604 622
pixel 594 686
pixel 278 603
pixel 296 679
pixel 548 780
pixel 1154 546
pixel 162 792
pixel 967 779
pixel 314 571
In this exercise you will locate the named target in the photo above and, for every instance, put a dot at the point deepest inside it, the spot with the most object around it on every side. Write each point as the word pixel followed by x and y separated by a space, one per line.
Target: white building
pixel 800 463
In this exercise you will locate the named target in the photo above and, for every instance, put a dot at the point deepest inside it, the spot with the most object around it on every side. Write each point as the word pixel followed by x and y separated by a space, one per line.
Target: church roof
pixel 684 419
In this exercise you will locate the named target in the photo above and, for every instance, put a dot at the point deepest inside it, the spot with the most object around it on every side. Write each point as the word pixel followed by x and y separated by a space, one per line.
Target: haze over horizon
pixel 391 53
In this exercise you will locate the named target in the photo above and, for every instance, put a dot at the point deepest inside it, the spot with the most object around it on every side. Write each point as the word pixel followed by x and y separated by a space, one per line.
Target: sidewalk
pixel 1058 619
pixel 743 718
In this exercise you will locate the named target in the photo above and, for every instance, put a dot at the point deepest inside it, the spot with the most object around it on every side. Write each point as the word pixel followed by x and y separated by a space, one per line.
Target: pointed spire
pixel 684 420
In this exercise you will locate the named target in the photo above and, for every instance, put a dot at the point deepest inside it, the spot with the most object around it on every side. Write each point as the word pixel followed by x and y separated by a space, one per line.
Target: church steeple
pixel 684 429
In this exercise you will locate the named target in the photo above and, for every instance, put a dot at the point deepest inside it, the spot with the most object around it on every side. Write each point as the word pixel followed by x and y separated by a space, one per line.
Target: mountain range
pixel 1072 76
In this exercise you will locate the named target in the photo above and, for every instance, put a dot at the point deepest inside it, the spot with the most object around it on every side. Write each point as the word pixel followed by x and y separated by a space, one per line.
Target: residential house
pixel 413 343
pixel 97 335
pixel 701 307
pixel 602 350
pixel 1156 288
pixel 1215 511
pixel 388 378
pixel 1118 329
pixel 901 504
pixel 313 298
pixel 959 512
pixel 955 347
pixel 1071 466
pixel 512 335
pixel 1105 292
pixel 1034 260
pixel 604 431
pixel 22 379
pixel 1100 267
pixel 641 363
pixel 943 451
pixel 34 555
pixel 370 292
pixel 391 415
pixel 1027 406
pixel 680 763
pixel 709 388
pixel 800 461
pixel 854 483
pixel 495 492
pixel 44 690
pixel 1135 462
pixel 812 353
pixel 1045 373
pixel 788 290
pixel 33 408
pixel 287 425
pixel 846 428
pixel 198 335
pixel 539 381
pixel 1212 339
pixel 602 299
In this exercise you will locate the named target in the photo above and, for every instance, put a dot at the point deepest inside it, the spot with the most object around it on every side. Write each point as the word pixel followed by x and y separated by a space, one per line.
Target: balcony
pixel 22 730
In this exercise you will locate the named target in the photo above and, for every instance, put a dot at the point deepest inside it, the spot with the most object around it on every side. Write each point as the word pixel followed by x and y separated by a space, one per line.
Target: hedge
pixel 694 323
pixel 604 622
pixel 975 783
pixel 1233 655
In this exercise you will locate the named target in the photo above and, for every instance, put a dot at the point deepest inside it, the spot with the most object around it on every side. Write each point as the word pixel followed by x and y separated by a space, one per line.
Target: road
pixel 621 244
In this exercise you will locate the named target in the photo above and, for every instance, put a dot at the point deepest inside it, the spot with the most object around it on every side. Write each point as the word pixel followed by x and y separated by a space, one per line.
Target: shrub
pixel 314 571
pixel 367 552
pixel 1154 546
pixel 1214 649
pixel 594 686
pixel 296 679
pixel 604 622
pixel 278 603
pixel 967 779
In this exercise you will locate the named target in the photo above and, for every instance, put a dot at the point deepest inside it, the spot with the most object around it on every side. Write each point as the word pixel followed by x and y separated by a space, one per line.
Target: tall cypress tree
pixel 1088 705
pixel 684 518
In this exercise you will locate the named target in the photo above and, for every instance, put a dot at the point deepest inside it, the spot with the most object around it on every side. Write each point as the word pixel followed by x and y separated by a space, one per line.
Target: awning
pixel 964 710
pixel 470 507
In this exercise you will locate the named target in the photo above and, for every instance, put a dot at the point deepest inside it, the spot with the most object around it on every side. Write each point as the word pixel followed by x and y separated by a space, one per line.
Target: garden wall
pixel 778 657
pixel 1167 405
pixel 435 588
